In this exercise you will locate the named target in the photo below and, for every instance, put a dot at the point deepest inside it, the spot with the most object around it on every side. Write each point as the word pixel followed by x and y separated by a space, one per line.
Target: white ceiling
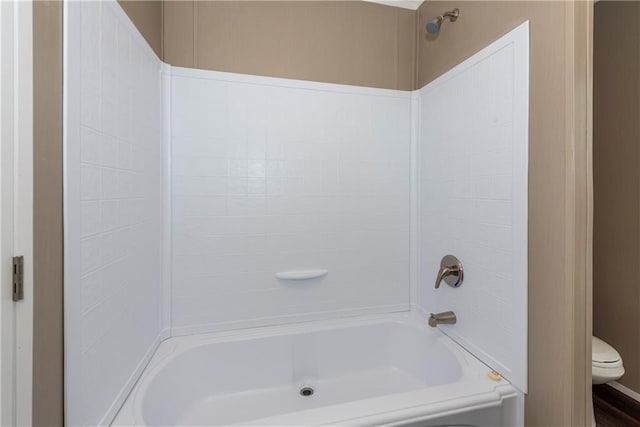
pixel 406 4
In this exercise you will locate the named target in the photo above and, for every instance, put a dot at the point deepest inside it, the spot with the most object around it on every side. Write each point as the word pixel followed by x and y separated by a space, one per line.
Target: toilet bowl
pixel 606 363
pixel 606 366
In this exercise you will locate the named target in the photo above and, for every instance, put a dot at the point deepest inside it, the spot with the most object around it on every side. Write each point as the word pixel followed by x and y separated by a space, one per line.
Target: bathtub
pixel 390 370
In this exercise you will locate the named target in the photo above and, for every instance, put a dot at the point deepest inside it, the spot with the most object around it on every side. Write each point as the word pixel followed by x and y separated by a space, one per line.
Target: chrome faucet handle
pixel 450 271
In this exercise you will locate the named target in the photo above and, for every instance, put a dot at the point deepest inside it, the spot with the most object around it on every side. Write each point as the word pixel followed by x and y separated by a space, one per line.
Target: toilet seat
pixel 603 355
pixel 607 365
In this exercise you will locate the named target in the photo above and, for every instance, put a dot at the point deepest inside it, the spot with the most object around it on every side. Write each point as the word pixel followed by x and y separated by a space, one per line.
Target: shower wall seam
pixel 414 209
pixel 167 202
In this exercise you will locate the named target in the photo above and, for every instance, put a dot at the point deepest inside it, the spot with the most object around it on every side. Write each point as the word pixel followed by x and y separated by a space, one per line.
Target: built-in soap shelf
pixel 301 274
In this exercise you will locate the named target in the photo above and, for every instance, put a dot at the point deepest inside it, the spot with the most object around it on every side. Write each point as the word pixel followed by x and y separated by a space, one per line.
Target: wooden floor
pixel 614 409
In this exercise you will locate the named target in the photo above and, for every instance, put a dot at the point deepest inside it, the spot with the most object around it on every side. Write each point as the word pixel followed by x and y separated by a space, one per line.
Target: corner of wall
pixel 416 48
pixel 166 199
pixel 147 17
pixel 414 290
pixel 162 3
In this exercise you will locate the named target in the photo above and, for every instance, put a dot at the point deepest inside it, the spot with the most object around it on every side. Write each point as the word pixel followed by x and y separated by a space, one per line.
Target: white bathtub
pixel 376 370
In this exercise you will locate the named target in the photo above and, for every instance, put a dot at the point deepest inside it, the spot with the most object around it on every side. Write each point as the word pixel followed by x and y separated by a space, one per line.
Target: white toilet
pixel 606 365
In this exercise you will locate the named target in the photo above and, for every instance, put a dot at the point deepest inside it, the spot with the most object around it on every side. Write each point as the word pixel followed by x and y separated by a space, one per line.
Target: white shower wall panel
pixel 113 214
pixel 273 175
pixel 472 160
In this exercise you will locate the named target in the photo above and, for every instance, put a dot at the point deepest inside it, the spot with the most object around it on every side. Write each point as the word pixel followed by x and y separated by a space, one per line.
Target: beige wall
pixel 557 347
pixel 147 15
pixel 47 215
pixel 349 42
pixel 616 266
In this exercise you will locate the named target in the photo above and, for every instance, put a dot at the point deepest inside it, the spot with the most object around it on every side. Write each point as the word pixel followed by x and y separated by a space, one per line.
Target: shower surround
pixel 188 190
pixel 272 175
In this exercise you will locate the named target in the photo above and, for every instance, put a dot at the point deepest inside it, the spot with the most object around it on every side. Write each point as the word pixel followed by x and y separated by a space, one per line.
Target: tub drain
pixel 306 391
